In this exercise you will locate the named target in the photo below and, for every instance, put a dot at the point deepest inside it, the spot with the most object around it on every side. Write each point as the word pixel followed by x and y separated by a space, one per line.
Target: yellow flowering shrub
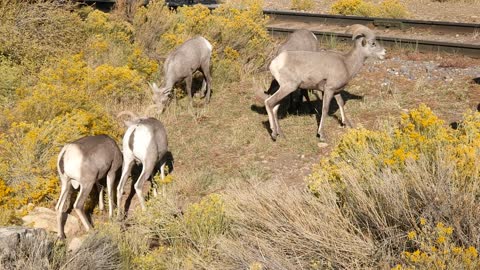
pixel 71 85
pixel 118 84
pixel 34 33
pixel 387 8
pixel 205 220
pixel 30 153
pixel 420 133
pixel 432 247
pixel 393 9
pixel 354 7
pixel 239 37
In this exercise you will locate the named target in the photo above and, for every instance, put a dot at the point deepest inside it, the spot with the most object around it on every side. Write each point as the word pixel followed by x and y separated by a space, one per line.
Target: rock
pixel 322 144
pixel 45 218
pixel 11 237
pixel 76 243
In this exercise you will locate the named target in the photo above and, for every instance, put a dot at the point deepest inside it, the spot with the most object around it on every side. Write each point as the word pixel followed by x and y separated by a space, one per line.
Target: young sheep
pixel 83 163
pixel 180 64
pixel 327 71
pixel 299 40
pixel 145 141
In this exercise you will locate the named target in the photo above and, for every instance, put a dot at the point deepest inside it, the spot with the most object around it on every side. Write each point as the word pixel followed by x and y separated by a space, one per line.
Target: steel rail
pixel 472 50
pixel 420 45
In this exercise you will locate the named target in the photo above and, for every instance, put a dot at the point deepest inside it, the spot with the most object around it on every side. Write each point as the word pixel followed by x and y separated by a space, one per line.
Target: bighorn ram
pixel 83 163
pixel 299 40
pixel 145 141
pixel 180 64
pixel 327 71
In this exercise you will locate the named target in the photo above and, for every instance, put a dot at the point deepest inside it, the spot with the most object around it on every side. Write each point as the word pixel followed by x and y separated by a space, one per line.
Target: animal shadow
pixel 456 124
pixel 305 107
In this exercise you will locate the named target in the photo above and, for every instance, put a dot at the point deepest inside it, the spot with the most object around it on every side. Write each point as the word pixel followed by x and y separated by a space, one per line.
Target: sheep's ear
pixel 364 42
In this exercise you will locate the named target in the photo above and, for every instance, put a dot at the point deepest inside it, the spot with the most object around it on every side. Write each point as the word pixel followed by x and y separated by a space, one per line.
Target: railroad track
pixel 283 22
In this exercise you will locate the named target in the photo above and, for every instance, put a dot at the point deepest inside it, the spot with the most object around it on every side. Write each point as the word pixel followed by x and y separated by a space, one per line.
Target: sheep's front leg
pixel 341 103
pixel 327 98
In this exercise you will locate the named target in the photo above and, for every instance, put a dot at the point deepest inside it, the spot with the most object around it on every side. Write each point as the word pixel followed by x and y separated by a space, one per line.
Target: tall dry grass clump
pixel 41 251
pixel 387 181
pixel 280 227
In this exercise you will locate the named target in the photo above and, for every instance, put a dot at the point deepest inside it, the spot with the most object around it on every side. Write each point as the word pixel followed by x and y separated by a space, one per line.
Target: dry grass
pixel 287 228
pixel 270 220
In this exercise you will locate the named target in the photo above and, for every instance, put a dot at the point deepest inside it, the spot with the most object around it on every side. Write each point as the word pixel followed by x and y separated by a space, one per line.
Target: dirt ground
pixel 227 142
pixel 453 10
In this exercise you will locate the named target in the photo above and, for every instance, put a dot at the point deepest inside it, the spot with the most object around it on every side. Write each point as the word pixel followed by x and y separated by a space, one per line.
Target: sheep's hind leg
pixel 188 82
pixel 327 98
pixel 144 175
pixel 126 169
pixel 80 203
pixel 272 102
pixel 60 207
pixel 341 104
pixel 205 68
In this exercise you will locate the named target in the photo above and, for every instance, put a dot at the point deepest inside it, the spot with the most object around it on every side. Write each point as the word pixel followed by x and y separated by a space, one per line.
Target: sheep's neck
pixel 354 61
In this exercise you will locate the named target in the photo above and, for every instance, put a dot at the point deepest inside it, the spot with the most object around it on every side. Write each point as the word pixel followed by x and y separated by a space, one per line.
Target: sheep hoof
pixel 274 136
pixel 321 138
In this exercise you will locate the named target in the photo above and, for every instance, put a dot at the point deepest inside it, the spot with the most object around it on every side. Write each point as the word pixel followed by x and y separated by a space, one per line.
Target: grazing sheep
pixel 145 141
pixel 327 71
pixel 180 64
pixel 299 40
pixel 83 163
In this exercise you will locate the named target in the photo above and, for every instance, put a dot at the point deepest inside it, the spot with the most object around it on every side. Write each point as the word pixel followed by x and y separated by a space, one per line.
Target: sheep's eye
pixel 374 44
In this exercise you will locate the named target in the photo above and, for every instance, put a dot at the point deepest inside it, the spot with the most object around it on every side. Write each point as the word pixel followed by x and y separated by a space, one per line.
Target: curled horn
pixel 129 113
pixel 132 115
pixel 358 30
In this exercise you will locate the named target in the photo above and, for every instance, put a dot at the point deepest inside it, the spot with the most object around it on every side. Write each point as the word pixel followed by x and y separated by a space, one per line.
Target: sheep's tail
pixel 65 181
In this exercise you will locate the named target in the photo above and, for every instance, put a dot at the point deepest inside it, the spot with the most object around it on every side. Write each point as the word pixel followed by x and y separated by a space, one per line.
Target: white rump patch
pixel 142 138
pixel 278 63
pixel 209 46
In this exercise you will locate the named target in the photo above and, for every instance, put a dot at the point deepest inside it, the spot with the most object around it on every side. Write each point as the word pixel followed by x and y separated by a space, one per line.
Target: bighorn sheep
pixel 83 163
pixel 299 40
pixel 180 64
pixel 327 71
pixel 145 141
